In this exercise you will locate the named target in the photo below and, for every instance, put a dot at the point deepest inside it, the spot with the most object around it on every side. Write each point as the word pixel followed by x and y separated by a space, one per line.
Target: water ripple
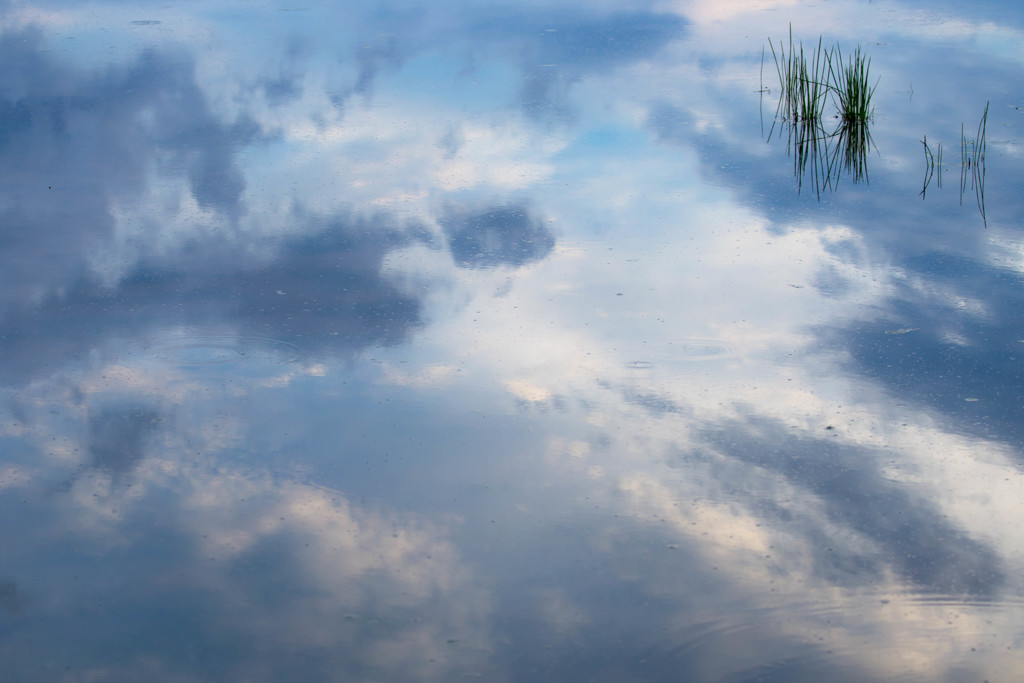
pixel 207 350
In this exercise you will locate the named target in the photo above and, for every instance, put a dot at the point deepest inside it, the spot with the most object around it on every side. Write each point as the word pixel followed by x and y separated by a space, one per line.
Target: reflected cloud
pixel 324 293
pixel 220 555
pixel 912 537
pixel 382 53
pixel 75 145
pixel 709 11
pixel 314 573
pixel 117 438
pixel 325 290
pixel 502 235
pixel 567 51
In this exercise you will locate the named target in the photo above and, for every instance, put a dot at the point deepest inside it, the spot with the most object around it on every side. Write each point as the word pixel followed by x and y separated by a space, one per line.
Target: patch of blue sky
pixel 315 26
pixel 606 141
pixel 450 81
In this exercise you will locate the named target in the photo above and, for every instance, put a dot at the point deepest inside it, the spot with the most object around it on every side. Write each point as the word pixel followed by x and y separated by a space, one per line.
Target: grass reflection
pixel 808 80
pixel 972 160
pixel 972 164
pixel 807 143
pixel 932 166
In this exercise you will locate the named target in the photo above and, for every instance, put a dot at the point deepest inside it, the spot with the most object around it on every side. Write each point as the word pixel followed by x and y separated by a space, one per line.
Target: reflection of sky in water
pixel 410 343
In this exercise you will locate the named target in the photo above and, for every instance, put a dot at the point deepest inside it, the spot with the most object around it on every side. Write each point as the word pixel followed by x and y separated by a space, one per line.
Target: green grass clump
pixel 808 80
pixel 852 88
pixel 802 80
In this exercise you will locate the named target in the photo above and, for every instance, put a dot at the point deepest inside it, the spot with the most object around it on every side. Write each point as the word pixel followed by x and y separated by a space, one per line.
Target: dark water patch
pixel 11 599
pixel 498 235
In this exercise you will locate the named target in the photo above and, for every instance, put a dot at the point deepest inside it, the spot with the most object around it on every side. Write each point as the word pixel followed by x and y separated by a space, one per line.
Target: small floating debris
pixel 971 400
pixel 902 330
pixel 700 350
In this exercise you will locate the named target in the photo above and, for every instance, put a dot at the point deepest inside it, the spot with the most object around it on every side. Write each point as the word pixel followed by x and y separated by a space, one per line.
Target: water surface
pixel 418 342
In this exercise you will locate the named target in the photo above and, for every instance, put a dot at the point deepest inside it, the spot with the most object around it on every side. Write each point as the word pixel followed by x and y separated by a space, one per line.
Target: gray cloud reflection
pixel 501 235
pixel 324 292
pixel 74 145
pixel 117 438
pixel 558 49
pixel 911 535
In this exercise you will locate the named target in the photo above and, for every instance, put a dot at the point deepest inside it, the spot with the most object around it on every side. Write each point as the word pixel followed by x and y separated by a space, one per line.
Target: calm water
pixel 386 341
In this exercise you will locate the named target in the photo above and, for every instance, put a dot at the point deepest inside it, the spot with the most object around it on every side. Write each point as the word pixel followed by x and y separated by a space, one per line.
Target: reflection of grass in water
pixel 972 164
pixel 825 156
pixel 932 166
pixel 808 144
pixel 853 90
pixel 976 156
pixel 854 142
pixel 806 79
pixel 972 158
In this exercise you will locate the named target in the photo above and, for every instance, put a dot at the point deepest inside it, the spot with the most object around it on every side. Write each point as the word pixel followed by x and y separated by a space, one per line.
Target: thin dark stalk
pixel 808 144
pixel 929 166
pixel 972 159
pixel 978 176
pixel 760 103
pixel 965 163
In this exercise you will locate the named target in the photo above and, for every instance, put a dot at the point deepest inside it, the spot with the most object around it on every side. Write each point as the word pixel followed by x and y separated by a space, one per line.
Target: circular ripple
pixel 206 350
pixel 811 637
